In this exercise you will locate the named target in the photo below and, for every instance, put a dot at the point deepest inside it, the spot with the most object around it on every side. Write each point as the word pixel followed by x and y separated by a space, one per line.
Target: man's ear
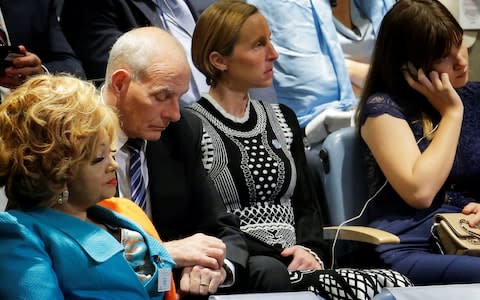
pixel 120 80
pixel 218 61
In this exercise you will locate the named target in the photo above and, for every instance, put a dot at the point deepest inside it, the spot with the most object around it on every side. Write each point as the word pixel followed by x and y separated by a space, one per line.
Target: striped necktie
pixel 137 184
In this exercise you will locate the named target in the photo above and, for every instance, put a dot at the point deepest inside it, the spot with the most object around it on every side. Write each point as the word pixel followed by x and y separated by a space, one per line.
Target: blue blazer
pixel 46 254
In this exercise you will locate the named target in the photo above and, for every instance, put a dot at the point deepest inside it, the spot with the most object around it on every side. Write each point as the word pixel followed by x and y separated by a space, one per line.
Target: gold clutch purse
pixel 456 236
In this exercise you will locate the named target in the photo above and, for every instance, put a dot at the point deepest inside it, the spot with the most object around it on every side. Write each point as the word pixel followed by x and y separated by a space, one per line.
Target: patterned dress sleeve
pixel 308 217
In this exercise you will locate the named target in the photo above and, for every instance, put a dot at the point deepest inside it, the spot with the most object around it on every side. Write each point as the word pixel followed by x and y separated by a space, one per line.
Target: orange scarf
pixel 133 212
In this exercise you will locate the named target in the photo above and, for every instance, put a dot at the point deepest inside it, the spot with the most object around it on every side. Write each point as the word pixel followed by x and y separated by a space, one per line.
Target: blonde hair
pixel 218 29
pixel 48 126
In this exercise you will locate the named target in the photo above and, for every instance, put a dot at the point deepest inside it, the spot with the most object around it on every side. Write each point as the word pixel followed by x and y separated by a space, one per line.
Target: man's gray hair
pixel 137 49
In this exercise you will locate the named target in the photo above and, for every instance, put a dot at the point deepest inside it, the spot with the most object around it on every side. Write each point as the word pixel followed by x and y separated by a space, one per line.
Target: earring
pixel 63 197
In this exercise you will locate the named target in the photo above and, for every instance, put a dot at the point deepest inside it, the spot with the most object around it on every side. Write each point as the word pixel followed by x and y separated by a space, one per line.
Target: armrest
pixel 361 234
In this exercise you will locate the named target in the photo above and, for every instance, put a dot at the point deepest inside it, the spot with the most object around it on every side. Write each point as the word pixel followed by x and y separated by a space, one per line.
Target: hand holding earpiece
pixel 411 70
pixel 438 90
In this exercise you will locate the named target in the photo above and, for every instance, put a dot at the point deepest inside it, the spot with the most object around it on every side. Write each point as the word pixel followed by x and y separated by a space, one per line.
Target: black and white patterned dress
pixel 258 165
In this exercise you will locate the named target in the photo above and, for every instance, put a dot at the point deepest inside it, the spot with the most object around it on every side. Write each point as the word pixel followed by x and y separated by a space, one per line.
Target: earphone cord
pixel 337 233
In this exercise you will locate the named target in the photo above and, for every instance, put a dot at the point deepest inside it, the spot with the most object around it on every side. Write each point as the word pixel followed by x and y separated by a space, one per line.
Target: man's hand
pixel 22 67
pixel 197 250
pixel 302 260
pixel 198 280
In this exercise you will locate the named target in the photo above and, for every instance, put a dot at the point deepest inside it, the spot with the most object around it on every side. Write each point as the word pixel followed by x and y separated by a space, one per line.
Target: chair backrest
pixel 343 175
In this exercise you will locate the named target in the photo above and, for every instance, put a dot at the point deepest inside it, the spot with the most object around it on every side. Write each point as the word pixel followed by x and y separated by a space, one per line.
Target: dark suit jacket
pixel 34 24
pixel 184 200
pixel 93 26
pixel 198 6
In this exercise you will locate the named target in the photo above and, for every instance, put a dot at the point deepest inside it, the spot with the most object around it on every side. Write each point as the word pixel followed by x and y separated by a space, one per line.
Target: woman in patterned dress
pixel 254 153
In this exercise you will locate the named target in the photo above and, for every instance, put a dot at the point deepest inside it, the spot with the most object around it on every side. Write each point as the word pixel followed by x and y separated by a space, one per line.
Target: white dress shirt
pixel 123 159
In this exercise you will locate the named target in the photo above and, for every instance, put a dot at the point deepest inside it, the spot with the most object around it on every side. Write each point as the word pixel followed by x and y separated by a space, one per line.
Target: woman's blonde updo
pixel 48 126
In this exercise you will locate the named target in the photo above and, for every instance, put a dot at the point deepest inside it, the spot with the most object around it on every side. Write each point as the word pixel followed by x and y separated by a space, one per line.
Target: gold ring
pixel 204 284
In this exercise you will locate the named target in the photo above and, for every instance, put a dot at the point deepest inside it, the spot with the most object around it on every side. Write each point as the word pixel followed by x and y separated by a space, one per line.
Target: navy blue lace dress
pixel 418 256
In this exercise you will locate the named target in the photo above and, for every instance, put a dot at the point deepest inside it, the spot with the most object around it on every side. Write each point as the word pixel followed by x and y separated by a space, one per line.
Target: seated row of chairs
pixel 342 175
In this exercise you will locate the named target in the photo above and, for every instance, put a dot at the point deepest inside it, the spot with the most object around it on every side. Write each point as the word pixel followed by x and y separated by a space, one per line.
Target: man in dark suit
pixel 146 75
pixel 92 26
pixel 33 25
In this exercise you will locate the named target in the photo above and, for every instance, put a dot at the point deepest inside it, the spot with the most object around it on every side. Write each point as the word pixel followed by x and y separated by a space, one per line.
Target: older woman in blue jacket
pixel 56 163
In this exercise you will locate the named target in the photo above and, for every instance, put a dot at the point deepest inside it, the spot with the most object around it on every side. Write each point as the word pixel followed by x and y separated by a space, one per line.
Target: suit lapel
pixel 168 168
pixel 99 244
pixel 149 9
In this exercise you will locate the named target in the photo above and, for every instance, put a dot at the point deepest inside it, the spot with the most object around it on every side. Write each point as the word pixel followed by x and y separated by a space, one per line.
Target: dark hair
pixel 419 31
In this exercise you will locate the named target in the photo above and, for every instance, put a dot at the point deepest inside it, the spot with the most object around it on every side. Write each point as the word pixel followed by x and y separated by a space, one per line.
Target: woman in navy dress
pixel 423 136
